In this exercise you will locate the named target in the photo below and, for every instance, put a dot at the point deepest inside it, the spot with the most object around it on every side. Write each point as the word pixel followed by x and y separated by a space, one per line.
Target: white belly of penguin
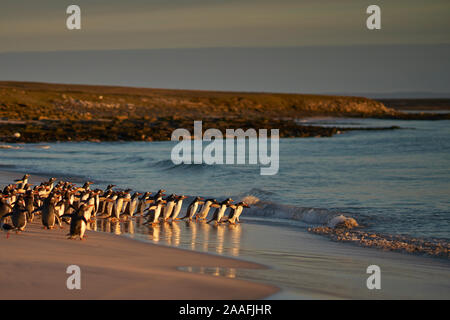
pixel 177 210
pixel 205 211
pixel 168 210
pixel 133 205
pixel 237 213
pixel 61 209
pixel 193 210
pixel 118 208
pixel 157 214
pixel 82 229
pixel 221 212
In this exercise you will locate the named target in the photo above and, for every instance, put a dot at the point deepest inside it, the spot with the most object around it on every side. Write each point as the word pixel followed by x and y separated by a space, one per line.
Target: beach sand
pixel 34 264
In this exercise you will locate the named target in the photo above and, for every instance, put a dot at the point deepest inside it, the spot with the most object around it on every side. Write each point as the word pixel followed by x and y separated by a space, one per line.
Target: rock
pixel 342 222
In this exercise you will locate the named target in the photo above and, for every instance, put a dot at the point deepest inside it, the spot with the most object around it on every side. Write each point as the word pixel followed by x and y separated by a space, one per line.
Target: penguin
pixel 12 197
pixel 22 182
pixel 127 200
pixel 5 207
pixel 97 193
pixel 69 200
pixel 158 196
pixel 91 205
pixel 220 211
pixel 236 211
pixel 49 215
pixel 177 209
pixel 153 218
pixel 29 205
pixel 19 215
pixel 132 205
pixel 104 201
pixel 78 222
pixel 110 205
pixel 87 185
pixel 205 209
pixel 50 184
pixel 109 187
pixel 117 210
pixel 192 209
pixel 143 203
pixel 169 207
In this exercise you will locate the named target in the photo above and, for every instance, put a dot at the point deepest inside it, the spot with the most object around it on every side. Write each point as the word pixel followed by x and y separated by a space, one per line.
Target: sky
pixel 418 29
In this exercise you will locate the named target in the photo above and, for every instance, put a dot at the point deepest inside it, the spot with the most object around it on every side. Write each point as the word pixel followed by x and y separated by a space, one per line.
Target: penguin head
pixel 227 201
pixel 243 204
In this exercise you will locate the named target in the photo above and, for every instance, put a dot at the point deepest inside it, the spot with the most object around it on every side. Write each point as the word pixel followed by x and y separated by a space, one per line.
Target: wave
pixel 312 216
pixel 169 165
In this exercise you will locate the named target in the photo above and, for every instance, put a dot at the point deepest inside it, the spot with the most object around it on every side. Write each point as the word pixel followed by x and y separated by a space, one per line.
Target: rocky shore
pixel 141 130
pixel 41 112
pixel 385 242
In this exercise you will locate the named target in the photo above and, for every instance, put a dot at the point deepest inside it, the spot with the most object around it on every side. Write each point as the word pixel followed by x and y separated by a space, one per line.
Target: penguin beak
pixel 149 201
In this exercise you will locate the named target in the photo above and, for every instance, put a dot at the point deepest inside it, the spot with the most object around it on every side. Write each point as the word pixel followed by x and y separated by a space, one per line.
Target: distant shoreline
pixel 42 112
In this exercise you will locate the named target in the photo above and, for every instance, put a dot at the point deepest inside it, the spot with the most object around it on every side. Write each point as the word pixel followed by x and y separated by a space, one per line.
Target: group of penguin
pixel 64 202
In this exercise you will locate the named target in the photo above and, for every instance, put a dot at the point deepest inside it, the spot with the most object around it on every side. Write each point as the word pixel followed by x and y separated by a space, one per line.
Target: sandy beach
pixel 34 264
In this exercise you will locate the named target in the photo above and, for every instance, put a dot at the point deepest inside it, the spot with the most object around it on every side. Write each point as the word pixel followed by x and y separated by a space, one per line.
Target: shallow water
pixel 301 264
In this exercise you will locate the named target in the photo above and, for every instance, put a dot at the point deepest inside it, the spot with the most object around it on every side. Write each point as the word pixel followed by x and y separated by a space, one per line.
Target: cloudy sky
pixel 149 24
pixel 268 45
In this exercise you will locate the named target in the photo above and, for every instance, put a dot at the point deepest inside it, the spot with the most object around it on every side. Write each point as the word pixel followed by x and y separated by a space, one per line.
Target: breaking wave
pixel 312 216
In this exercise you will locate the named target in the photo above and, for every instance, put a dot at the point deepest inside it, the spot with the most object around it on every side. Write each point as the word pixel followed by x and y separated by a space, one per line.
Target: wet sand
pixel 34 264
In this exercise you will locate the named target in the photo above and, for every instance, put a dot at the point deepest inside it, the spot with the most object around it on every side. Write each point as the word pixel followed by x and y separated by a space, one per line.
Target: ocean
pixel 392 182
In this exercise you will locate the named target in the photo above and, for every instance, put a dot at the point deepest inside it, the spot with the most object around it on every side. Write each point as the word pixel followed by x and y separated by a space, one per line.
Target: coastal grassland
pixel 33 112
